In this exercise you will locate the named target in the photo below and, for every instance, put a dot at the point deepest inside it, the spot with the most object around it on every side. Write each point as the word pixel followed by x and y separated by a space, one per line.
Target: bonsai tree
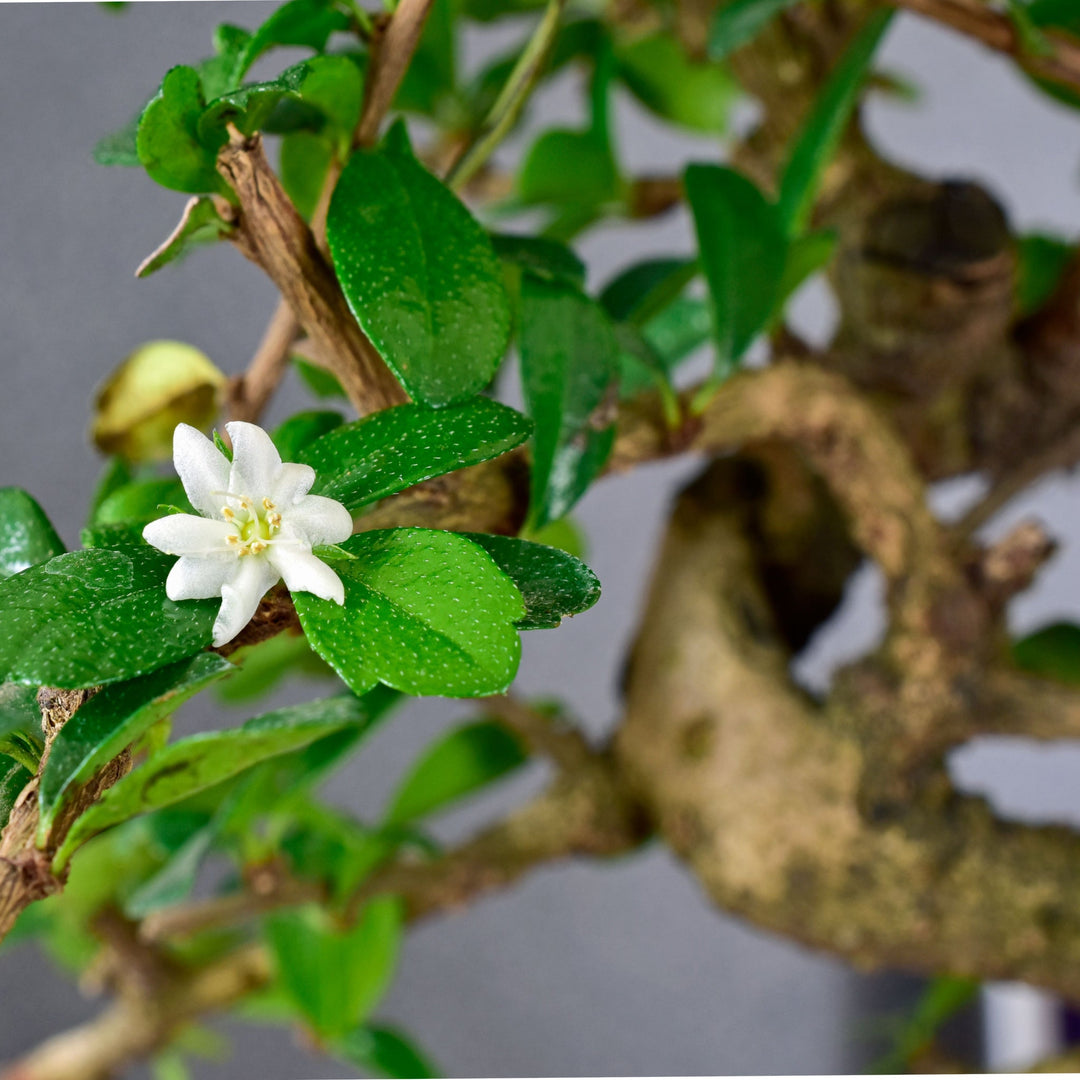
pixel 401 534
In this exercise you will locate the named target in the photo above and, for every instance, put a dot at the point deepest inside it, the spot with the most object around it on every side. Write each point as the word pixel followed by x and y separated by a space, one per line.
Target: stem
pixel 515 93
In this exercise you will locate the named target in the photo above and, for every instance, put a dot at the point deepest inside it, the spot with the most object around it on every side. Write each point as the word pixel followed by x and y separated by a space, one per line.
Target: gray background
pixel 585 969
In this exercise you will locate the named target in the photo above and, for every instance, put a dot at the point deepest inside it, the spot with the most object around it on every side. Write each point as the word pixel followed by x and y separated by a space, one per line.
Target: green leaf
pixel 175 880
pixel 302 23
pixel 96 617
pixel 465 760
pixel 569 361
pixel 13 778
pixel 329 89
pixel 942 999
pixel 301 430
pixel 737 23
pixel 120 147
pixel 679 330
pixel 305 162
pixel 552 582
pixel 390 450
pixel 200 225
pixel 743 252
pixel 1042 263
pixel 113 719
pixel 140 502
pixel 221 72
pixel 201 761
pixel 645 289
pixel 663 78
pixel 27 537
pixel 419 274
pixel 114 475
pixel 388 1052
pixel 168 138
pixel 806 255
pixel 816 143
pixel 541 256
pixel 261 667
pixel 426 612
pixel 1053 652
pixel 574 168
pixel 318 380
pixel 336 977
pixel 19 710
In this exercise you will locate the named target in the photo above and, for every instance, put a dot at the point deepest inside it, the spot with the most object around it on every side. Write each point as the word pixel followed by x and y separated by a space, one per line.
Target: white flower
pixel 258 526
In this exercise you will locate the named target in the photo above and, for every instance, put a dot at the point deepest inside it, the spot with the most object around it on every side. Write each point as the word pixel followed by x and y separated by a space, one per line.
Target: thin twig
pixel 1061 64
pixel 511 100
pixel 250 393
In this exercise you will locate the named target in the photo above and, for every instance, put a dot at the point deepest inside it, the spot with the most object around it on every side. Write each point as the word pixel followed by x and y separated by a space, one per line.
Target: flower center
pixel 255 524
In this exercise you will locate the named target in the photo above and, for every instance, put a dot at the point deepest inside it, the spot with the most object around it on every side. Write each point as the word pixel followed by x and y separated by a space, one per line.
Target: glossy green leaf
pixel 569 361
pixel 141 501
pixel 419 274
pixel 336 977
pixel 553 583
pixel 390 450
pixel 645 289
pixel 738 22
pixel 221 72
pixel 426 612
pixel 301 23
pixel 1053 652
pixel 462 762
pixel 301 430
pixel 541 256
pixel 200 225
pixel 113 719
pixel 96 617
pixel 201 761
pixel 823 129
pixel 19 710
pixel 304 164
pixel 13 778
pixel 743 252
pixel 658 72
pixel 329 89
pixel 27 537
pixel 1042 262
pixel 168 137
pixel 569 168
pixel 387 1052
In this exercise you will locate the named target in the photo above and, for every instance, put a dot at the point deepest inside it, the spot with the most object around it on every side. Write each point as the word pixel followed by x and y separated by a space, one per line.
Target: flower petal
pixel 319 520
pixel 240 596
pixel 202 468
pixel 255 463
pixel 186 534
pixel 303 572
pixel 293 483
pixel 195 578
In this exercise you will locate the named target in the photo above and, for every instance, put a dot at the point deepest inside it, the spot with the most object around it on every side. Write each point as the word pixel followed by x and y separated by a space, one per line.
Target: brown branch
pixel 249 394
pixel 763 794
pixel 549 736
pixel 390 58
pixel 589 813
pixel 137 1025
pixel 273 235
pixel 26 873
pixel 998 32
